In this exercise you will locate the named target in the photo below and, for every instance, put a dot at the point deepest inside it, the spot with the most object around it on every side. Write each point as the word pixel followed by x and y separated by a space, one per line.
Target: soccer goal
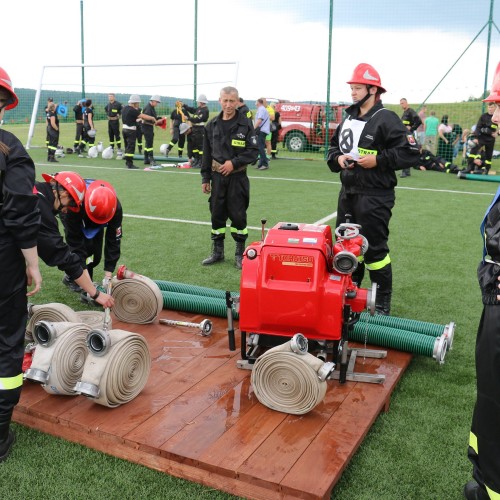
pixel 67 84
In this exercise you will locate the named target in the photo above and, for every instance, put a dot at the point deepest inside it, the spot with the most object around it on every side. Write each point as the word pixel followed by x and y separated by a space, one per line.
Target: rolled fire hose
pixel 59 356
pixel 411 325
pixel 51 312
pixel 94 319
pixel 137 300
pixel 401 340
pixel 116 369
pixel 287 378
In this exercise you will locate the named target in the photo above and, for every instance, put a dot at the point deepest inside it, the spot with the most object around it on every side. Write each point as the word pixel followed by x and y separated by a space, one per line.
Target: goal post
pixel 171 81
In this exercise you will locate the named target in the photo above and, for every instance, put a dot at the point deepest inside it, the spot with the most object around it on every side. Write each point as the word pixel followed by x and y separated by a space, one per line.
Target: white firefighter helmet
pixel 155 97
pixel 59 153
pixel 184 127
pixel 92 132
pixel 100 147
pixel 93 152
pixel 107 154
pixel 163 149
pixel 202 98
pixel 134 99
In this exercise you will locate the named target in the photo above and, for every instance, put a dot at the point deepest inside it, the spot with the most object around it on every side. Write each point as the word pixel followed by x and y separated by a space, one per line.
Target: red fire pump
pixel 297 279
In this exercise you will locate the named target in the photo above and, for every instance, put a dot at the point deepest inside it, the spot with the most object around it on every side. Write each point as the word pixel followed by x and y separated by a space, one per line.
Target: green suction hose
pixel 196 304
pixel 402 340
pixel 171 286
pixel 476 177
pixel 412 325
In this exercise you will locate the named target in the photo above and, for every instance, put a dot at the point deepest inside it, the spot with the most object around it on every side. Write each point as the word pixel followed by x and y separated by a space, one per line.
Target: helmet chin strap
pixel 367 96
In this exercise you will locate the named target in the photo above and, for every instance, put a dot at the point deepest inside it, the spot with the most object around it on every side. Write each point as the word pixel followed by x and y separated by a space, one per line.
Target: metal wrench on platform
pixel 205 326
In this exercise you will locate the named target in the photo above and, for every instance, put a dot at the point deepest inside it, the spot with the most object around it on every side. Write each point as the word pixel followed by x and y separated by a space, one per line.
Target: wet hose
pixel 402 340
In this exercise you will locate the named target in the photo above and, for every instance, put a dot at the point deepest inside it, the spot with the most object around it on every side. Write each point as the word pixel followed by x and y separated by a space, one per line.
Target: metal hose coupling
pixel 287 378
pixel 59 356
pixel 117 367
pixel 138 299
pixel 51 312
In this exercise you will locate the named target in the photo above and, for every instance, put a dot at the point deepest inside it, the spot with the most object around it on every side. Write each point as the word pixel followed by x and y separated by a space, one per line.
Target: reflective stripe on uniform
pixel 364 152
pixel 375 266
pixel 492 494
pixel 473 442
pixel 239 231
pixel 237 143
pixel 221 230
pixel 7 383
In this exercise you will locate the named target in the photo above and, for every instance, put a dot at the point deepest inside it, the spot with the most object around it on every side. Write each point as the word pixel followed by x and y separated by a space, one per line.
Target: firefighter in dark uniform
pixel 177 117
pixel 113 111
pixel 79 142
pixel 148 129
pixel 89 131
pixel 367 148
pixel 411 121
pixel 229 147
pixel 97 223
pixel 198 118
pixel 19 225
pixel 52 132
pixel 60 193
pixel 243 108
pixel 429 161
pixel 131 117
pixel 485 134
pixel 484 440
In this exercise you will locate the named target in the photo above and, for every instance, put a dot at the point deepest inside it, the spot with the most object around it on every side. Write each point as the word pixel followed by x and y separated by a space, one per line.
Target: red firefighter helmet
pixel 72 183
pixel 495 88
pixel 100 202
pixel 6 84
pixel 367 75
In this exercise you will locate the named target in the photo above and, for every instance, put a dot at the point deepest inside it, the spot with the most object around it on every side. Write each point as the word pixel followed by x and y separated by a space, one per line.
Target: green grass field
pixel 417 449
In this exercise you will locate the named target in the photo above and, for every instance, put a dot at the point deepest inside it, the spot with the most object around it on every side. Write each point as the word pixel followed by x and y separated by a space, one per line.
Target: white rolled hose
pixel 59 356
pixel 137 300
pixel 288 379
pixel 117 367
pixel 51 312
pixel 95 319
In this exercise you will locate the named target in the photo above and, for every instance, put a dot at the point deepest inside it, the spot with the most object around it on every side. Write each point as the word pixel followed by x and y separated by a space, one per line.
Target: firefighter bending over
pixel 368 147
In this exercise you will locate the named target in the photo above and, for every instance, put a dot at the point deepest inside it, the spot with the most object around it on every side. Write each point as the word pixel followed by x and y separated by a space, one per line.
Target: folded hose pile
pixel 52 312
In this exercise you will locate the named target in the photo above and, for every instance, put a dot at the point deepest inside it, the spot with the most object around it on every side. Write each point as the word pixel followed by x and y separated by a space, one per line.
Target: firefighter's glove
pixel 487 275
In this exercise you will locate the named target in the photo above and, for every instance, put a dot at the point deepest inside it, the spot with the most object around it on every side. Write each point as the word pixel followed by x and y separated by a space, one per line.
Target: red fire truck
pixel 303 126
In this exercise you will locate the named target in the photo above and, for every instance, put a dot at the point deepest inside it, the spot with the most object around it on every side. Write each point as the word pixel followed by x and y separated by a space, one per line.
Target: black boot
pixel 472 491
pixel 146 158
pixel 383 278
pixel 217 253
pixel 238 254
pixel 7 436
pixel 383 303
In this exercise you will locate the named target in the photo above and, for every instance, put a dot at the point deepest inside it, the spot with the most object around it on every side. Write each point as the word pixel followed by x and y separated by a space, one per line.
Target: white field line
pixel 325 219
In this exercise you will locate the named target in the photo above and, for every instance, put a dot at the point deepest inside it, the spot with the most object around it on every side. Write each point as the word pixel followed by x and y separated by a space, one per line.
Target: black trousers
pixel 484 444
pixel 195 139
pixel 93 247
pixel 373 213
pixel 114 133
pixel 13 317
pixel 149 135
pixel 129 136
pixel 79 135
pixel 53 136
pixel 229 199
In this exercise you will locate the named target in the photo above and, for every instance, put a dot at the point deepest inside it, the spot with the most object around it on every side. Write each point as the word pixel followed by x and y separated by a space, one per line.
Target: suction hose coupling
pixel 440 348
pixel 287 378
pixel 59 356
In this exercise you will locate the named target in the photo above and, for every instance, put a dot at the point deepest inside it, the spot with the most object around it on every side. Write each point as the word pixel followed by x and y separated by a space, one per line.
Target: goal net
pixel 66 85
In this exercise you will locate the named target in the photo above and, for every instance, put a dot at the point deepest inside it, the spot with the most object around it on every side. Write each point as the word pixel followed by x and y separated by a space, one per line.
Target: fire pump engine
pixel 297 279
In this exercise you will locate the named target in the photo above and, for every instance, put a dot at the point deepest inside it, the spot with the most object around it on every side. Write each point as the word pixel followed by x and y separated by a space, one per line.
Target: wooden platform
pixel 198 419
